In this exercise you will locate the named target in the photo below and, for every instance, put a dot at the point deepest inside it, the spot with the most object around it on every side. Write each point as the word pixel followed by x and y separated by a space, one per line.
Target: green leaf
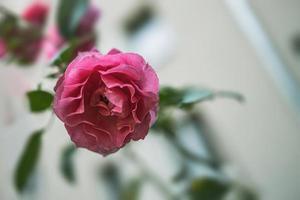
pixel 39 100
pixel 8 23
pixel 165 123
pixel 67 163
pixel 69 16
pixel 112 178
pixel 183 97
pixel 169 96
pixel 207 188
pixel 194 95
pixel 63 57
pixel 28 161
pixel 187 97
pixel 132 190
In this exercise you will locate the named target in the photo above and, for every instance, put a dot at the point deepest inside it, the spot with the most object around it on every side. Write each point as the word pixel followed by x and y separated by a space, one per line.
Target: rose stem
pixel 150 175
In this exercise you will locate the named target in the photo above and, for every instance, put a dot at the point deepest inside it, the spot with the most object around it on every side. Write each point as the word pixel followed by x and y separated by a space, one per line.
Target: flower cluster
pixel 24 40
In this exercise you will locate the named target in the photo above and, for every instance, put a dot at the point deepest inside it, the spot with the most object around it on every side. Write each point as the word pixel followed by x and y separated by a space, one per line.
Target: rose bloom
pixel 107 100
pixel 36 13
pixel 54 41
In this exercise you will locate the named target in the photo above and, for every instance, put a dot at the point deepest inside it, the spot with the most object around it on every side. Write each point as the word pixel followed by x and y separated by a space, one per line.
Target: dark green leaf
pixel 39 100
pixel 67 163
pixel 112 179
pixel 139 19
pixel 169 96
pixel 69 16
pixel 8 23
pixel 28 161
pixel 63 57
pixel 165 123
pixel 132 190
pixel 207 188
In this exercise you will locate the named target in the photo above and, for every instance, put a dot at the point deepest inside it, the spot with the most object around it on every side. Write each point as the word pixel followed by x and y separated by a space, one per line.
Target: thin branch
pixel 50 122
pixel 150 175
pixel 192 156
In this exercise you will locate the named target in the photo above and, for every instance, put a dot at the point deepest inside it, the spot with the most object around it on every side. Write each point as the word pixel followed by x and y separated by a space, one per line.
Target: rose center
pixel 98 97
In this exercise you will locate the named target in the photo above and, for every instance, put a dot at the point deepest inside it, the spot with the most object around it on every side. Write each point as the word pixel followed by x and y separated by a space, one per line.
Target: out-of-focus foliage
pixel 189 96
pixel 67 163
pixel 138 19
pixel 28 160
pixel 132 190
pixel 69 16
pixel 63 58
pixel 39 100
pixel 22 40
pixel 207 188
pixel 111 176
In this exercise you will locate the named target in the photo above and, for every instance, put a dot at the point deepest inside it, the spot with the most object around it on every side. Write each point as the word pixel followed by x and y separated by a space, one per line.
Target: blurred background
pixel 252 47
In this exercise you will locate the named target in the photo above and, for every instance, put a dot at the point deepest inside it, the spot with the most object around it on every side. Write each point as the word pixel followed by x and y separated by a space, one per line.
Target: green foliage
pixel 64 57
pixel 183 98
pixel 112 179
pixel 138 19
pixel 132 190
pixel 187 97
pixel 169 96
pixel 69 15
pixel 191 96
pixel 181 175
pixel 165 124
pixel 67 163
pixel 8 23
pixel 207 188
pixel 28 161
pixel 39 100
pixel 69 52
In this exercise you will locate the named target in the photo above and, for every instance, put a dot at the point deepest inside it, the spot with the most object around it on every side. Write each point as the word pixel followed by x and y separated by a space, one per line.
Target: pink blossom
pixel 53 42
pixel 36 13
pixel 105 101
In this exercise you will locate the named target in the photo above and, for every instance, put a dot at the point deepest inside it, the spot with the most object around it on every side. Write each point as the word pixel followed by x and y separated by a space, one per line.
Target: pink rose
pixel 107 100
pixel 36 13
pixel 2 48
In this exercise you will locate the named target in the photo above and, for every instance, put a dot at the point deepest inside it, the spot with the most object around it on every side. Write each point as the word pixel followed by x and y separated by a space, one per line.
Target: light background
pixel 261 138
